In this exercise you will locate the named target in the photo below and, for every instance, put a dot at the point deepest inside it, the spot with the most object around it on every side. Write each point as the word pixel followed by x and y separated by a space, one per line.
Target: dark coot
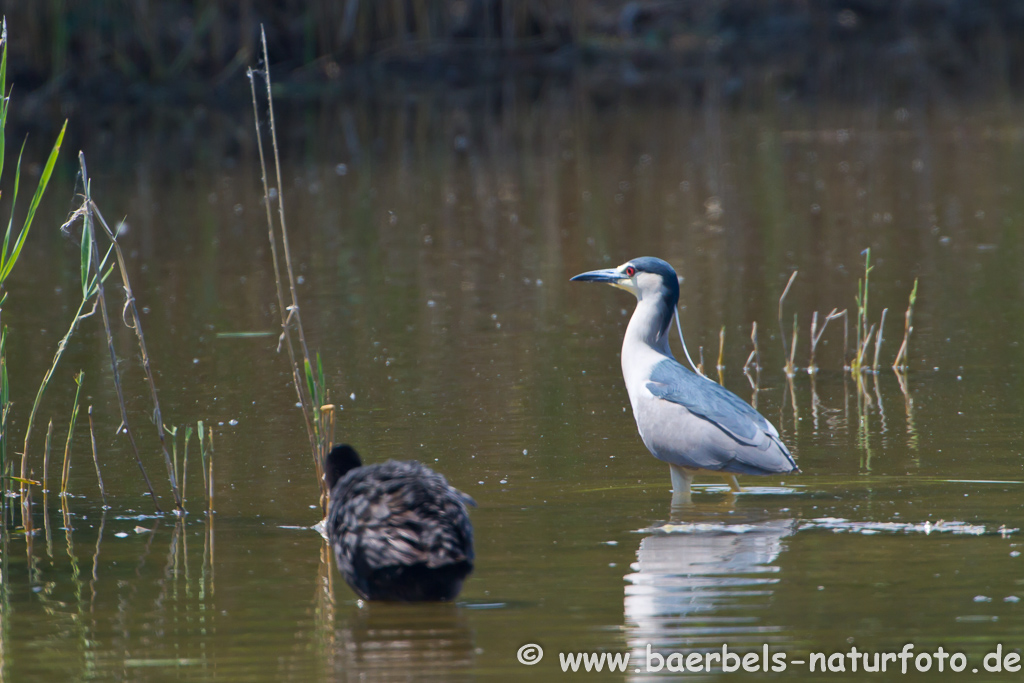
pixel 398 530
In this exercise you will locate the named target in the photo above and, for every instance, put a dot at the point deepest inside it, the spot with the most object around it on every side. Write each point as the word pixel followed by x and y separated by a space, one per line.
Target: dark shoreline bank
pixel 95 56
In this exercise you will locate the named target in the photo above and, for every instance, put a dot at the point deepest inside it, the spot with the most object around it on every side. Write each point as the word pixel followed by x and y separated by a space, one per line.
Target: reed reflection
pixel 90 602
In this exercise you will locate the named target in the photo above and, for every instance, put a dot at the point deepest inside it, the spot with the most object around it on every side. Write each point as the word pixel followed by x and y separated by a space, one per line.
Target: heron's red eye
pixel 630 271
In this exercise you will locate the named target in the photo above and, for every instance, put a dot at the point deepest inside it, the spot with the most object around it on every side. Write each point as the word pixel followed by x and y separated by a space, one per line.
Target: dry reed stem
pixel 878 340
pixel 293 311
pixel 285 311
pixel 27 518
pixel 721 353
pixel 201 433
pixel 328 418
pixel 96 555
pixel 280 200
pixel 101 297
pixel 900 354
pixel 66 514
pixel 746 366
pixel 790 364
pixel 46 460
pixel 66 469
pixel 136 325
pixel 213 575
pixel 817 334
pixel 184 465
pixel 900 363
pixel 846 341
pixel 96 459
pixel 782 329
pixel 46 528
pixel 755 355
pixel 862 351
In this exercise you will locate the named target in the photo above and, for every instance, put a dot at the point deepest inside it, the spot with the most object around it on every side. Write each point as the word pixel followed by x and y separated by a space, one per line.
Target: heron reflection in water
pixel 698 584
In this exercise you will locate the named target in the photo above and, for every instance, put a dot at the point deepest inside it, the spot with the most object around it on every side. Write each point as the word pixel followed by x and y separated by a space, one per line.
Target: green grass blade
pixel 10 221
pixel 320 380
pixel 310 382
pixel 86 258
pixel 202 451
pixel 44 180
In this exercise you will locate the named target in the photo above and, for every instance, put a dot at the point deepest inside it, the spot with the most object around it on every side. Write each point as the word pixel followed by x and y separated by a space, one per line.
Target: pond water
pixel 434 236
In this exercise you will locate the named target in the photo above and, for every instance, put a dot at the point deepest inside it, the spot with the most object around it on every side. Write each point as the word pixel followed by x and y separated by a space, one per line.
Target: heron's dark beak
pixel 610 276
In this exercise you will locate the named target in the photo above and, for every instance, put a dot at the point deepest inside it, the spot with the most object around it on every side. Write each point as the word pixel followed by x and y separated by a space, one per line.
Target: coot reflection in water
pixel 392 642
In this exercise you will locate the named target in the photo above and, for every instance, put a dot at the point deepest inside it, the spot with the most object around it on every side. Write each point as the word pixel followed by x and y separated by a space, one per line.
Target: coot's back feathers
pixel 398 530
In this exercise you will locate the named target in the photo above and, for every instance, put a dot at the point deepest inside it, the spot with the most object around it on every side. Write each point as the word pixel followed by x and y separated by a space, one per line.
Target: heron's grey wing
pixel 694 422
pixel 713 402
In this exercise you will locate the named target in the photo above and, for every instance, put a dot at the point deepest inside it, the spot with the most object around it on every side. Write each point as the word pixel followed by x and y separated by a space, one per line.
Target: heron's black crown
pixel 669 285
pixel 669 279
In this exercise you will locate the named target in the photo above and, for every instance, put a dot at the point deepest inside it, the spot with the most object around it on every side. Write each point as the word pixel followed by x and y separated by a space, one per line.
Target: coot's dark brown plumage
pixel 398 530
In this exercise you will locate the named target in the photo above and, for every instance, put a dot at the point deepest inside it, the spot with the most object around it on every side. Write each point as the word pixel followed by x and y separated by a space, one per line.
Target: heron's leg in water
pixel 681 480
pixel 730 479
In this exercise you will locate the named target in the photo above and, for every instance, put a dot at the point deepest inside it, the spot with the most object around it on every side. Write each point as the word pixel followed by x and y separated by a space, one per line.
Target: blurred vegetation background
pixel 82 53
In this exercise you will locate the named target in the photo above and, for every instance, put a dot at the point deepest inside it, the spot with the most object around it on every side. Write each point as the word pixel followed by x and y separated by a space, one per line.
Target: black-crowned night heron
pixel 689 421
pixel 398 530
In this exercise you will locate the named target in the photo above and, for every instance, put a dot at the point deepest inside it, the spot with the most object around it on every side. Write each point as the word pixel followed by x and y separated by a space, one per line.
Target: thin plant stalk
pixel 901 357
pixel 814 329
pixel 136 325
pixel 846 343
pixel 79 316
pixel 755 356
pixel 209 491
pixel 862 315
pixel 878 341
pixel 328 417
pixel 173 433
pixel 315 382
pixel 816 335
pixel 124 427
pixel 66 470
pixel 280 199
pixel 184 465
pixel 90 285
pixel 5 408
pixel 305 400
pixel 46 461
pixel 721 353
pixel 27 516
pixel 316 394
pixel 782 329
pixel 96 459
pixel 862 351
pixel 201 433
pixel 790 364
